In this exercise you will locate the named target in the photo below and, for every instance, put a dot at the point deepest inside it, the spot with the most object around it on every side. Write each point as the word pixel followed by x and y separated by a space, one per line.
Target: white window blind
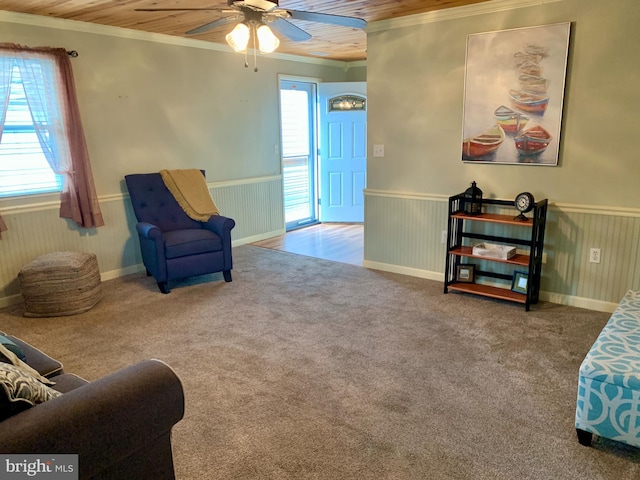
pixel 295 123
pixel 23 166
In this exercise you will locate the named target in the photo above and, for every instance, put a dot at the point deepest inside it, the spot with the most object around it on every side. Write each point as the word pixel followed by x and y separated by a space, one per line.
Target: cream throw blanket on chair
pixel 191 192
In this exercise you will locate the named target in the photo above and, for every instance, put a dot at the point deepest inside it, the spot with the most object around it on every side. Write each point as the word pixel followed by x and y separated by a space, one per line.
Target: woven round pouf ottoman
pixel 60 283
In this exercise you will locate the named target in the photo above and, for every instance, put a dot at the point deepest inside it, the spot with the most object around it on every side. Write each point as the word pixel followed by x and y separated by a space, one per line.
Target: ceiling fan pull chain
pixel 255 54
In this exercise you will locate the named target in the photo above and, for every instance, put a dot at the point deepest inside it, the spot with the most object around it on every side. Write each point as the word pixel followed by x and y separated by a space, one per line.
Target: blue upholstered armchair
pixel 173 245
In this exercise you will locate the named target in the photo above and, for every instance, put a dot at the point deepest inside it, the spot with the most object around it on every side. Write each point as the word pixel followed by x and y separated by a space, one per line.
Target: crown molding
pixel 492 6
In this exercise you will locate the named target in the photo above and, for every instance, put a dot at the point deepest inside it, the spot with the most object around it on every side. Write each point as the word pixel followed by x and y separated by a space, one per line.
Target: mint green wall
pixel 415 76
pixel 415 81
pixel 357 72
pixel 150 102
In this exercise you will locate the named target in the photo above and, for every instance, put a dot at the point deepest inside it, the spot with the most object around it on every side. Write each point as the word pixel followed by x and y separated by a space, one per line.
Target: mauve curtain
pixel 59 129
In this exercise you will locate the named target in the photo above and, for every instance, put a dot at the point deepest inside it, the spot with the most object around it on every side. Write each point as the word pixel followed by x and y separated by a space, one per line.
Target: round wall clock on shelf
pixel 524 203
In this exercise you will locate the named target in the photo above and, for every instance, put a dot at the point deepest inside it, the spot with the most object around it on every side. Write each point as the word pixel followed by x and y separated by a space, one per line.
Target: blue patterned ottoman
pixel 609 381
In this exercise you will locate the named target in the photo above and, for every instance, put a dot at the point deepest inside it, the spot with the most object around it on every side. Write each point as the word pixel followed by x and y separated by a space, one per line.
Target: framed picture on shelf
pixel 520 282
pixel 465 273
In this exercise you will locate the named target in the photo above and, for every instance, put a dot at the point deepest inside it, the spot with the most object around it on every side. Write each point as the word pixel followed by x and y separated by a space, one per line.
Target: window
pixel 38 83
pixel 347 102
pixel 24 168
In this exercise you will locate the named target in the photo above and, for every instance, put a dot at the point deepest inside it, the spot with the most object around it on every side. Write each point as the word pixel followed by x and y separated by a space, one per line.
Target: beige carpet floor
pixel 304 368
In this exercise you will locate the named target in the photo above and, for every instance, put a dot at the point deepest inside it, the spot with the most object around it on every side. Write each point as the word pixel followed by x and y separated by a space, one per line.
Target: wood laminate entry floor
pixel 340 242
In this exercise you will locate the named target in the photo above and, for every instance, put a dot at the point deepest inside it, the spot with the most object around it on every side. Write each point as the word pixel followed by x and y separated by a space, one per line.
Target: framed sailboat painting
pixel 513 95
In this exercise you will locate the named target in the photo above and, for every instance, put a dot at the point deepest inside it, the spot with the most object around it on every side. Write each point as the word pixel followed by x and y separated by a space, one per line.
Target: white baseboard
pixel 10 300
pixel 121 272
pixel 257 238
pixel 414 272
pixel 580 302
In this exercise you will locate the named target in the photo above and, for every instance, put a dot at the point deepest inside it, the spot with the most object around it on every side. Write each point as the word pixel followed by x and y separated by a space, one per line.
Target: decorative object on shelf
pixel 492 250
pixel 465 273
pixel 524 203
pixel 520 282
pixel 513 94
pixel 472 204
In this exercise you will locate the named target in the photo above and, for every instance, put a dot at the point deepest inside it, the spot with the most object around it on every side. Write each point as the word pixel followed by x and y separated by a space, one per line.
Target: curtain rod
pixel 72 53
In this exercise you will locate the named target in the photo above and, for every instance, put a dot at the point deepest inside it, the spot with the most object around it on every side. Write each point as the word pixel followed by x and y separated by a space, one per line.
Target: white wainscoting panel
pixel 255 204
pixel 405 230
pixel 403 235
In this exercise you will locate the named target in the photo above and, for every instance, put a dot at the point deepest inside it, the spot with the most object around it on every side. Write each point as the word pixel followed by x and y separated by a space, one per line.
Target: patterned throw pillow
pixel 20 390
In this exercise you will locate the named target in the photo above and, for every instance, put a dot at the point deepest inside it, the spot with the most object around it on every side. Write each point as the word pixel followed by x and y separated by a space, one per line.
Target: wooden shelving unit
pixel 488 282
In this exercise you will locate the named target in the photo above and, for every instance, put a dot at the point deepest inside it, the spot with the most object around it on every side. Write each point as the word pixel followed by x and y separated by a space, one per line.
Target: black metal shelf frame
pixel 534 243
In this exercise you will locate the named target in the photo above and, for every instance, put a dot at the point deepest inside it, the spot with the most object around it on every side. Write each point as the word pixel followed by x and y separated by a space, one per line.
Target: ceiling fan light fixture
pixel 238 38
pixel 267 41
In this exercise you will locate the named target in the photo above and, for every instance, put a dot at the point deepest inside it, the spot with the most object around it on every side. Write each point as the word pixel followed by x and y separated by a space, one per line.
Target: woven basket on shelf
pixel 60 283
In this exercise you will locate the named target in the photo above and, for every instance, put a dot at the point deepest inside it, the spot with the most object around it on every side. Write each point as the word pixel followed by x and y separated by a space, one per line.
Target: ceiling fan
pixel 262 12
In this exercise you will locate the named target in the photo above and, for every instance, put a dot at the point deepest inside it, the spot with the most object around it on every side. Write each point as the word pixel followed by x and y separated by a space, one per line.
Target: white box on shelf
pixel 491 250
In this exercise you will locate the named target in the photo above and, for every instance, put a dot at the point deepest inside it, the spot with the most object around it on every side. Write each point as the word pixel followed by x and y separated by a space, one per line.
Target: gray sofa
pixel 120 425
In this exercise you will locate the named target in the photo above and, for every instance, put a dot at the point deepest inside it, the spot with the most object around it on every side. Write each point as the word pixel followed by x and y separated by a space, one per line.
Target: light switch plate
pixel 378 150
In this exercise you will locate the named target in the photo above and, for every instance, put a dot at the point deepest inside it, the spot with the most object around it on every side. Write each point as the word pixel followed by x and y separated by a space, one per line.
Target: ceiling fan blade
pixel 328 18
pixel 211 25
pixel 175 9
pixel 289 30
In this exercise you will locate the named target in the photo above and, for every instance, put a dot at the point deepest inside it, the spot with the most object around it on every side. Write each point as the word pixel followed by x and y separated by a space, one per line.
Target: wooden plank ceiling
pixel 332 42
